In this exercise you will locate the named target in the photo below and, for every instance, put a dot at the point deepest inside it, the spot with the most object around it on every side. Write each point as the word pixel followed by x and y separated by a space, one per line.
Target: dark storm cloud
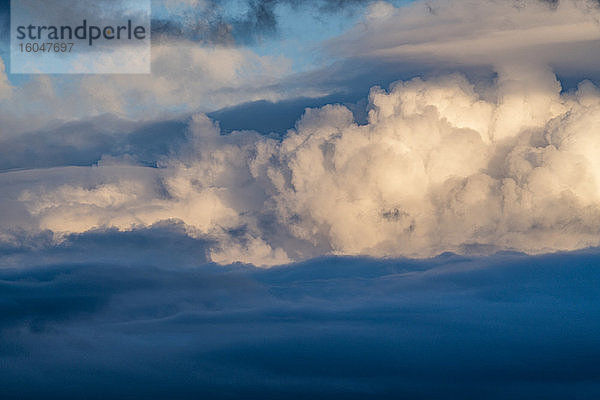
pixel 156 324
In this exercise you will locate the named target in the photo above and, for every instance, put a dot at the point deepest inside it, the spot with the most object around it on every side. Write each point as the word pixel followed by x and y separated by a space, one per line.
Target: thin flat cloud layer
pixel 492 32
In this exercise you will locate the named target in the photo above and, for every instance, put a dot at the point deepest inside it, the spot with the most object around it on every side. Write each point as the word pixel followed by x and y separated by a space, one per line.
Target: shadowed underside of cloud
pixel 106 138
pixel 150 324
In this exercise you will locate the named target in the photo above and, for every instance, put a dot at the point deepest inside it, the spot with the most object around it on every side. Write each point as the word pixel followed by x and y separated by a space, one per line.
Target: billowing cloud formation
pixel 438 167
pixel 448 163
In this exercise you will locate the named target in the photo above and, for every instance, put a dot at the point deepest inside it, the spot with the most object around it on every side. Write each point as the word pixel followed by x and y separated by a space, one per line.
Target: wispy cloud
pixel 497 33
pixel 186 77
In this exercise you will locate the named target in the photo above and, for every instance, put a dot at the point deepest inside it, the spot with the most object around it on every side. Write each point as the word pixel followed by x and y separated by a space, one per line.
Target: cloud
pixel 155 325
pixel 447 163
pixel 107 139
pixel 438 167
pixel 186 77
pixel 458 33
pixel 117 237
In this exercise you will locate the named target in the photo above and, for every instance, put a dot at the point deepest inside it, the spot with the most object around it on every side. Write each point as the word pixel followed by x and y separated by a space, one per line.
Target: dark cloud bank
pixel 141 315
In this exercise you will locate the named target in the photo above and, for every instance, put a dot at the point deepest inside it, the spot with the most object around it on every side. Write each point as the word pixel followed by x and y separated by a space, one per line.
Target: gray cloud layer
pixel 126 315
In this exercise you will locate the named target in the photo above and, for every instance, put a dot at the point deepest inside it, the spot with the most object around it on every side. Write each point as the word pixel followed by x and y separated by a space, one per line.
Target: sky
pixel 308 199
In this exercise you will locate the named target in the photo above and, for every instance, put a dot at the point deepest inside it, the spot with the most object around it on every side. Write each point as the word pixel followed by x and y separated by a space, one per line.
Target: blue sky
pixel 309 199
pixel 303 28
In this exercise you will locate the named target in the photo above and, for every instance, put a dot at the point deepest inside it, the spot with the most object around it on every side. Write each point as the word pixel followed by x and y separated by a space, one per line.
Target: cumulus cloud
pixel 438 167
pixel 441 164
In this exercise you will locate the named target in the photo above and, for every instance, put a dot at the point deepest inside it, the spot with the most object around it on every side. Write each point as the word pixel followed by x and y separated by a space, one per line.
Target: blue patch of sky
pixel 302 29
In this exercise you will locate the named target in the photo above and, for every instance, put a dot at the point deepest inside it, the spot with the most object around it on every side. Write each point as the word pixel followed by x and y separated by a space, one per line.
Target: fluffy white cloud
pixel 444 164
pixel 430 172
